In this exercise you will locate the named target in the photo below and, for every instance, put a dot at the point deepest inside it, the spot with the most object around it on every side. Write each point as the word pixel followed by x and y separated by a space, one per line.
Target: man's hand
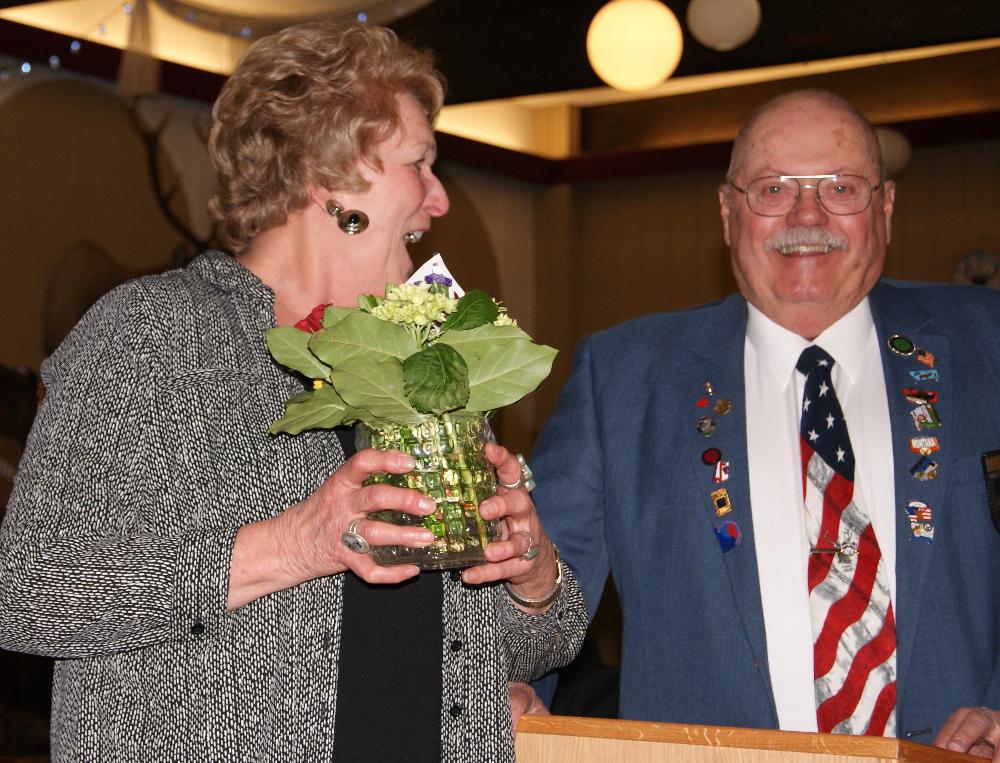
pixel 975 730
pixel 524 701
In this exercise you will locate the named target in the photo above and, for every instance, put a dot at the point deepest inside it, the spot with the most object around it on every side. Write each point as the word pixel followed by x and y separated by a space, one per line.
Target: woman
pixel 187 568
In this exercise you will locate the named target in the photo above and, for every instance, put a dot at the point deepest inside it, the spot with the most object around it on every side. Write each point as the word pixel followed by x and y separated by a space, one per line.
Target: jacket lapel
pixel 719 349
pixel 896 314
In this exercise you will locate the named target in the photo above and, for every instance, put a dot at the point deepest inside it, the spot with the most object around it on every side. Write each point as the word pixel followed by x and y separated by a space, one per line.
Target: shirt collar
pixel 778 349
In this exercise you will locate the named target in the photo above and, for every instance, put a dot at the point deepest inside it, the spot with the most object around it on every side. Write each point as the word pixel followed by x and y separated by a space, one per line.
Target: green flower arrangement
pixel 419 350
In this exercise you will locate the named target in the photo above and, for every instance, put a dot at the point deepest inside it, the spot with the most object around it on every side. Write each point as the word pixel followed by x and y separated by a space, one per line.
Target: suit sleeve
pixel 568 464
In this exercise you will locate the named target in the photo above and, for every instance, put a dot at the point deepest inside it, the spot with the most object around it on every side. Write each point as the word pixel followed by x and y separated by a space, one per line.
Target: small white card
pixel 436 268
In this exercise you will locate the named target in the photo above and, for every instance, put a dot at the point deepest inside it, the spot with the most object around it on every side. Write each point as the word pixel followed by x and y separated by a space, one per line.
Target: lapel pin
pixel 924 469
pixel 926 357
pixel 729 536
pixel 720 501
pixel 706 427
pixel 925 417
pixel 921 521
pixel 930 374
pixel 722 407
pixel 721 471
pixel 918 396
pixel 924 445
pixel 900 345
pixel 711 456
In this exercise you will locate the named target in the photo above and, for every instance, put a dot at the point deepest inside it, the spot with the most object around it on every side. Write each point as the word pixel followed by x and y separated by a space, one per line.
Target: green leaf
pixel 479 341
pixel 368 302
pixel 504 364
pixel 436 379
pixel 290 347
pixel 360 335
pixel 321 408
pixel 475 309
pixel 376 386
pixel 334 314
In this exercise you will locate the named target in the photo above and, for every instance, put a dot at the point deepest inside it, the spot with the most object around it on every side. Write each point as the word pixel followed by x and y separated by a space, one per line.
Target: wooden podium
pixel 565 739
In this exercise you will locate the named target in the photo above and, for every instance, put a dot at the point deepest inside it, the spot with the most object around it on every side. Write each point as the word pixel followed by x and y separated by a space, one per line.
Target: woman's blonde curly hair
pixel 303 106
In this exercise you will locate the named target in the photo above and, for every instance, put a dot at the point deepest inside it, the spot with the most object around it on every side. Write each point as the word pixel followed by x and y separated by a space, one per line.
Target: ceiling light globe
pixel 723 24
pixel 634 44
pixel 895 148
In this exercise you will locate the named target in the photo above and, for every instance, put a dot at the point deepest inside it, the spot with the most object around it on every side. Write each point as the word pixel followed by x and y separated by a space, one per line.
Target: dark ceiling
pixel 502 48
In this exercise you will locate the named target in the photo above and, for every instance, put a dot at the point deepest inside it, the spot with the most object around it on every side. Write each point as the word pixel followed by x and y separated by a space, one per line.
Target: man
pixel 737 542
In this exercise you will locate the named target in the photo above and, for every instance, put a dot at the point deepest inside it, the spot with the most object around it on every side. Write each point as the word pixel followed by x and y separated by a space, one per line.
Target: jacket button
pixel 456 645
pixel 197 629
pixel 456 575
pixel 455 711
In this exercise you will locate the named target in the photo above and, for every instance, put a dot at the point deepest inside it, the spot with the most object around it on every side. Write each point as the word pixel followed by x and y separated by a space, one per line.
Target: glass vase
pixel 452 470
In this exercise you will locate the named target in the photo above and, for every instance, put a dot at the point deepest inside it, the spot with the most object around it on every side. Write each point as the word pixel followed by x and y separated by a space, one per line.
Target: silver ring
pixel 513 485
pixel 525 479
pixel 353 539
pixel 526 475
pixel 532 551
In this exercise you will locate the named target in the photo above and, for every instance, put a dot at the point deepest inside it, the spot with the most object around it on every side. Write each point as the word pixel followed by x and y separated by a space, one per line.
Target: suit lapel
pixel 719 350
pixel 895 313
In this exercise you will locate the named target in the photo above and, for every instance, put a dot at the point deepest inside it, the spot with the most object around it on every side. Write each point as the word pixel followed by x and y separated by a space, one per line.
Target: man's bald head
pixel 748 135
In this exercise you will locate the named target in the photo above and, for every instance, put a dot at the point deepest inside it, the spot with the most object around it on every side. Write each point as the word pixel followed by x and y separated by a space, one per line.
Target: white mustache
pixel 800 237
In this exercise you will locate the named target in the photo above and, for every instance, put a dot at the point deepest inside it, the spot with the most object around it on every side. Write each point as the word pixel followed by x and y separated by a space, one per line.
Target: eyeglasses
pixel 775 195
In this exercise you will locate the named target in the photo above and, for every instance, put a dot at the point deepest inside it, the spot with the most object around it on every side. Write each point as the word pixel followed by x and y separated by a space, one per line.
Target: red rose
pixel 314 321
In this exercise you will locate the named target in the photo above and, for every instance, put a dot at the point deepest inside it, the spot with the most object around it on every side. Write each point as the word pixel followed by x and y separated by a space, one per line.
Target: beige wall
pixel 947 204
pixel 77 209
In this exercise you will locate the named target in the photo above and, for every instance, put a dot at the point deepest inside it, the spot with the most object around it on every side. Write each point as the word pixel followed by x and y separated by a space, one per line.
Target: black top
pixel 389 688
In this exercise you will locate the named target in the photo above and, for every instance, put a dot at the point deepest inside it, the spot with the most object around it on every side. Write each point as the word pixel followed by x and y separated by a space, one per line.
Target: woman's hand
pixel 524 555
pixel 305 541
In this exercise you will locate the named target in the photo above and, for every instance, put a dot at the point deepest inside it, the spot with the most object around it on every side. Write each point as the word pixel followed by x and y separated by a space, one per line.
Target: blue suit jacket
pixel 622 488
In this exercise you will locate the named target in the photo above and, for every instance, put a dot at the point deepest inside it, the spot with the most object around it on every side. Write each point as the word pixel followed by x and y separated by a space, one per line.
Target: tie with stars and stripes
pixel 854 631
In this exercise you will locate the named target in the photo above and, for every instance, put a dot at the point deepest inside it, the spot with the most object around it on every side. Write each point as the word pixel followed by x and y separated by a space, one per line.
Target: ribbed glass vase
pixel 452 470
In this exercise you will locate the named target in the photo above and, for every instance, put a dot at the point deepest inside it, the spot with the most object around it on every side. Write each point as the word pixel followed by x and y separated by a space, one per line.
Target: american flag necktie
pixel 854 631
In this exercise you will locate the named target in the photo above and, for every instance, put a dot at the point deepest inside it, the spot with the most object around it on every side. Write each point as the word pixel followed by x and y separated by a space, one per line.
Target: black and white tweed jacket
pixel 149 452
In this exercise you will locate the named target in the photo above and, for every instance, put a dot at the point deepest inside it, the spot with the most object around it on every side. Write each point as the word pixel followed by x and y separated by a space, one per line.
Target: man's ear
pixel 888 204
pixel 724 198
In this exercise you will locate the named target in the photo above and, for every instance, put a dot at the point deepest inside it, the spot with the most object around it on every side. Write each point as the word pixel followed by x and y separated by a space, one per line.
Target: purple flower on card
pixel 437 283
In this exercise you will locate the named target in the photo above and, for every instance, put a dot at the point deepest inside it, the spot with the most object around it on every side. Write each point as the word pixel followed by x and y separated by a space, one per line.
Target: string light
pixel 75 46
pixel 219 23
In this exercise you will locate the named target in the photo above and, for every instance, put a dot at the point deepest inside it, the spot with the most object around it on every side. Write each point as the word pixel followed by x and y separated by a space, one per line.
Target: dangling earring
pixel 351 221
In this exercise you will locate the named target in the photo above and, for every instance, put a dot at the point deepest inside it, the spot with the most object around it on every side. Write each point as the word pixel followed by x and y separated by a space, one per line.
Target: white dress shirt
pixel 773 400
